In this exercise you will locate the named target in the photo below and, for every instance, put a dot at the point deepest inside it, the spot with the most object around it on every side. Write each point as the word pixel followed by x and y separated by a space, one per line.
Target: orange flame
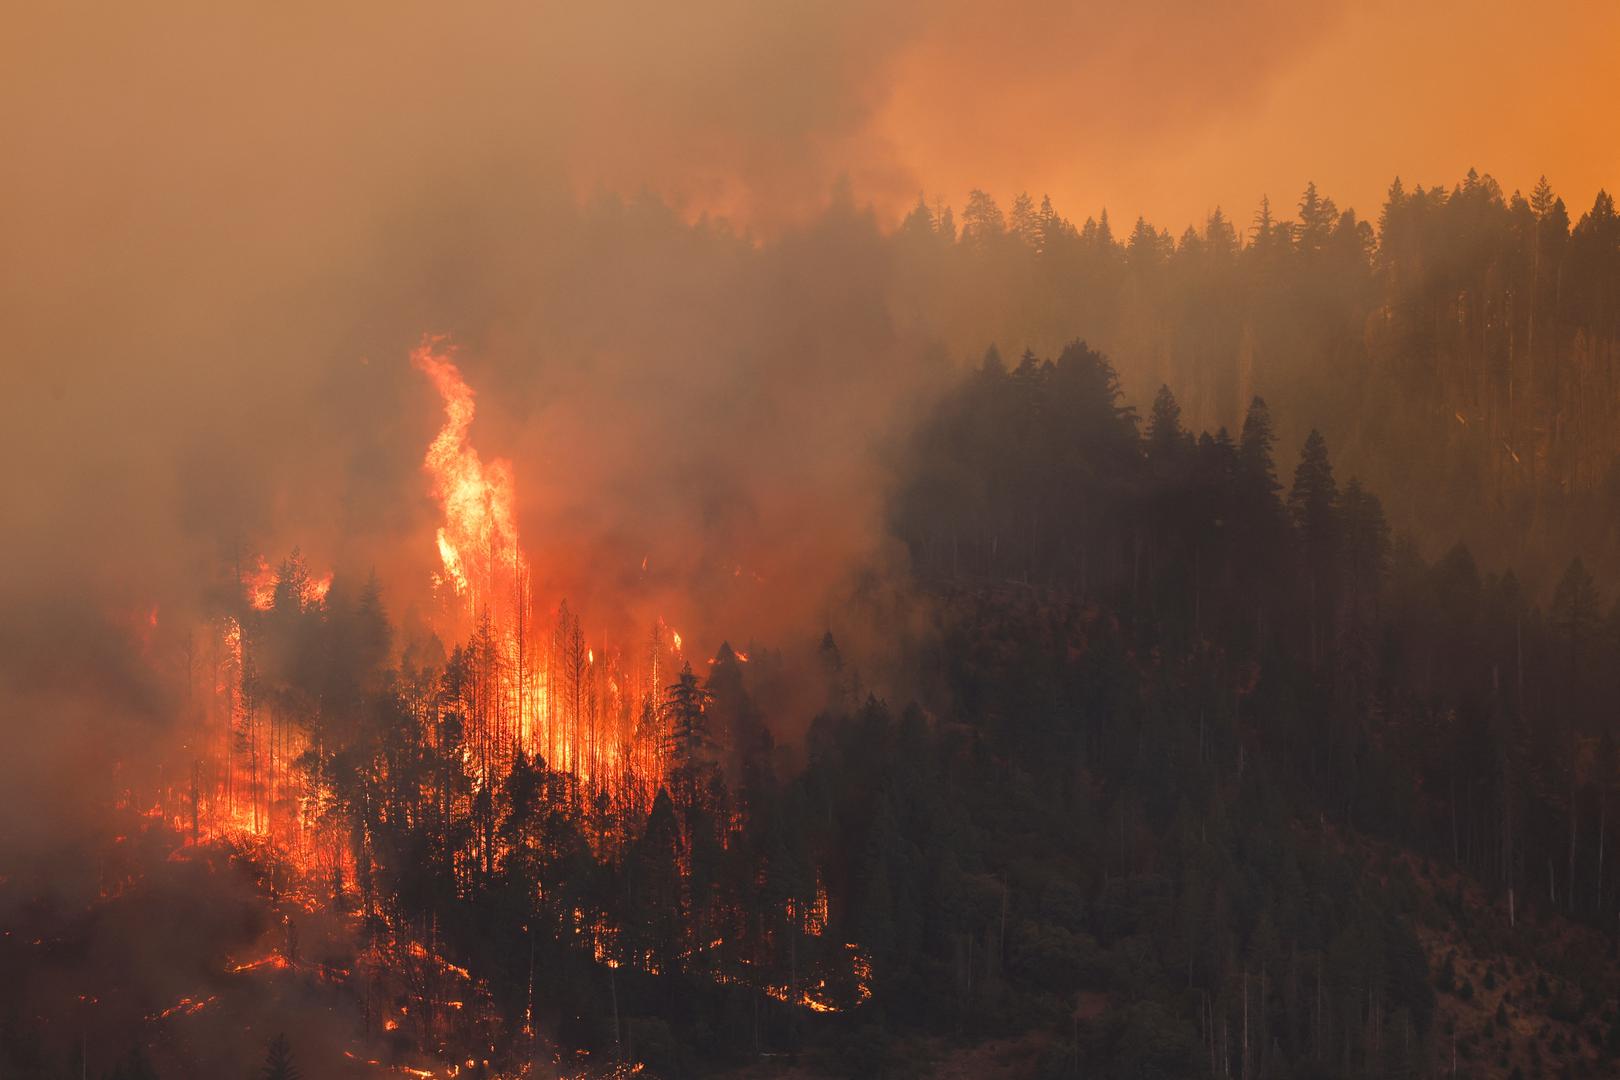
pixel 478 542
pixel 260 583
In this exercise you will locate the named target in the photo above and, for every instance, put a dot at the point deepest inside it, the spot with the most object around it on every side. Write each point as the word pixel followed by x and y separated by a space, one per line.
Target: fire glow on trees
pixel 549 698
pixel 478 540
pixel 312 752
pixel 534 683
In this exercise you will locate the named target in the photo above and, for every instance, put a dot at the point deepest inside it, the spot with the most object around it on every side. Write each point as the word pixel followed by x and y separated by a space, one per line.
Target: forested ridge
pixel 1220 749
pixel 1164 684
pixel 1459 346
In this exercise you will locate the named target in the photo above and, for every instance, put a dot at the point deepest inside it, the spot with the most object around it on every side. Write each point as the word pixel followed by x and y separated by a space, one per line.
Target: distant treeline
pixel 1463 353
pixel 1161 616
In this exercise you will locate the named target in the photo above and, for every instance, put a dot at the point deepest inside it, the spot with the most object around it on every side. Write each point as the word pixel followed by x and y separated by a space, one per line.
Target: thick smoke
pixel 226 225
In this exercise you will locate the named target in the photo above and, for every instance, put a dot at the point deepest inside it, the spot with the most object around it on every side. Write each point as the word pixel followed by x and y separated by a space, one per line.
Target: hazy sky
pixel 212 211
pixel 1164 107
pixel 1182 106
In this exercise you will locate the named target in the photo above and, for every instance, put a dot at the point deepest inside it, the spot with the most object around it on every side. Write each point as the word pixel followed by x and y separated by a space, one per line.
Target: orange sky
pixel 1349 98
pixel 226 224
pixel 288 122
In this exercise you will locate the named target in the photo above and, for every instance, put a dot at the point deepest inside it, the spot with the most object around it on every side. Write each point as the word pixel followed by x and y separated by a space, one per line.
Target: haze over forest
pixel 790 515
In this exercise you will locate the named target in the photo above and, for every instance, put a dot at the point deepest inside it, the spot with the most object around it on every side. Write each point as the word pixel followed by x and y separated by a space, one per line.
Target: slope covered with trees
pixel 1458 348
pixel 1214 755
pixel 1198 763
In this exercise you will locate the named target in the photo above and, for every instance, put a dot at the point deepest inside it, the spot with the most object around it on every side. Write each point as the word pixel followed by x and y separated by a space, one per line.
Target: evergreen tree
pixel 982 220
pixel 687 706
pixel 1164 434
pixel 1256 470
pixel 1313 505
pixel 278 1061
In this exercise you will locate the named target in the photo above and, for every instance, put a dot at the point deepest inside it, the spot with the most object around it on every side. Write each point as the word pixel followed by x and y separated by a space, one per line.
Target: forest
pixel 1254 718
pixel 1458 349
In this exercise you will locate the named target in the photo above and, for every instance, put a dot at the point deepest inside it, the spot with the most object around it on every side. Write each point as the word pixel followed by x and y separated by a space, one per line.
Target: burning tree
pixel 523 813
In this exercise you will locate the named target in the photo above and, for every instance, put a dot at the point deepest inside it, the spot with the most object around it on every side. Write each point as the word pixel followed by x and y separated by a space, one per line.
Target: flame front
pixel 546 693
pixel 478 541
pixel 526 694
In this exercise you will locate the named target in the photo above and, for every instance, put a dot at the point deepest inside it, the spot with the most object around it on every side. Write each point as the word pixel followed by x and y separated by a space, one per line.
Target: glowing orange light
pixel 478 539
pixel 260 583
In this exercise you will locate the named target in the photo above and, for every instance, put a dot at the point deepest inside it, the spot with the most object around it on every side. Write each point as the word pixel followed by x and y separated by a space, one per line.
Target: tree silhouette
pixel 278 1060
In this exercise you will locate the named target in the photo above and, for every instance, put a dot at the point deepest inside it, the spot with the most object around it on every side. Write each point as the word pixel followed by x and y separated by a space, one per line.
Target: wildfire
pixel 812 998
pixel 861 966
pixel 526 678
pixel 260 581
pixel 186 1006
pixel 814 915
pixel 274 960
pixel 478 542
pixel 316 590
pixel 547 693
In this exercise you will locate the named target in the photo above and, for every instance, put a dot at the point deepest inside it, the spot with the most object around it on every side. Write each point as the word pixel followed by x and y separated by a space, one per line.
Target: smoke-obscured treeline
pixel 1459 348
pixel 1142 689
pixel 1170 680
pixel 1159 652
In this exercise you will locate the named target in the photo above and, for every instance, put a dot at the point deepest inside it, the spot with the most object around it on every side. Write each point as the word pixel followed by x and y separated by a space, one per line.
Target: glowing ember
pixel 274 960
pixel 186 1006
pixel 260 584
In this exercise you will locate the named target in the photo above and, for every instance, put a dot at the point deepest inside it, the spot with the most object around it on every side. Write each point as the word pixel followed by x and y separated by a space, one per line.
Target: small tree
pixel 278 1061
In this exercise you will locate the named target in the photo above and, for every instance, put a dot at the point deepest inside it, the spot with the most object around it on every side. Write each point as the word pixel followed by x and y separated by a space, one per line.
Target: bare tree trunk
pixel 1603 812
pixel 1243 1062
pixel 1574 826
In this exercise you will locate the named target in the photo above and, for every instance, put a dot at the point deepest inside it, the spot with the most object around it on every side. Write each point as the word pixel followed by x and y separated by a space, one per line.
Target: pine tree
pixel 982 221
pixel 1542 199
pixel 1164 434
pixel 1220 238
pixel 1313 505
pixel 278 1061
pixel 919 223
pixel 1314 496
pixel 1023 222
pixel 1317 215
pixel 1269 235
pixel 1144 248
pixel 687 706
pixel 1257 473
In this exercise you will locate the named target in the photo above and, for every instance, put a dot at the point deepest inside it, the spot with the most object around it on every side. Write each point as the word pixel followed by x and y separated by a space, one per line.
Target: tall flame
pixel 544 690
pixel 478 542
pixel 595 712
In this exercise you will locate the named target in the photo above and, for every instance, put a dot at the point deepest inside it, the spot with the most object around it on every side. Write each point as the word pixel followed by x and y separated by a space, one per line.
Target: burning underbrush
pixel 182 957
pixel 195 956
